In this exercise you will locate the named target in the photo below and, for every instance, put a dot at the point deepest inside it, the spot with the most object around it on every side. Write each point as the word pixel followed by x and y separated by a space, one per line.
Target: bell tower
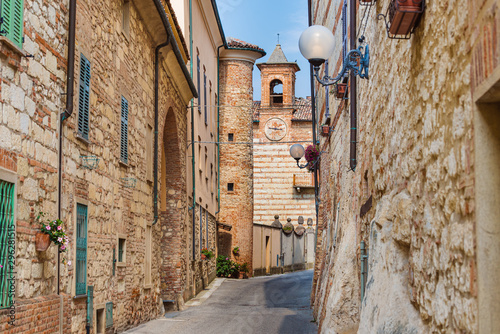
pixel 277 77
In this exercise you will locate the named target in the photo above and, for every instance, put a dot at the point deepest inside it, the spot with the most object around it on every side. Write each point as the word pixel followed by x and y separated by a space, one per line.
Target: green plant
pixel 236 250
pixel 244 267
pixel 208 253
pixel 55 229
pixel 226 267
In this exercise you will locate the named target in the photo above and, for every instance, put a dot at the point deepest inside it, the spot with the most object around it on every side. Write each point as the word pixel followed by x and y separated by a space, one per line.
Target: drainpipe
pixel 70 79
pixel 155 161
pixel 218 127
pixel 193 207
pixel 313 112
pixel 354 92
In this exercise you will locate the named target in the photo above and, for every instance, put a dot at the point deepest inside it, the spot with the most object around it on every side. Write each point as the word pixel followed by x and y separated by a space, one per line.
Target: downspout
pixel 70 78
pixel 313 112
pixel 354 92
pixel 155 161
pixel 218 127
pixel 193 207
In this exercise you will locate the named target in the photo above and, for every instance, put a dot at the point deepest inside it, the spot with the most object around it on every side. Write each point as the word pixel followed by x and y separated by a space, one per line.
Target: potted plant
pixel 404 16
pixel 236 251
pixel 325 130
pixel 244 270
pixel 226 267
pixel 50 230
pixel 206 254
pixel 341 91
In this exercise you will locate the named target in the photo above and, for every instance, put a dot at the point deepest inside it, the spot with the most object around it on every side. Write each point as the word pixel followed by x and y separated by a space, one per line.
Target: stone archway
pixel 172 193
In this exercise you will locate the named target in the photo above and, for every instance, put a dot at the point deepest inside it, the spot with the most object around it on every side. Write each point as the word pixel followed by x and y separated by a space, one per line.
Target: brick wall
pixel 236 159
pixel 38 315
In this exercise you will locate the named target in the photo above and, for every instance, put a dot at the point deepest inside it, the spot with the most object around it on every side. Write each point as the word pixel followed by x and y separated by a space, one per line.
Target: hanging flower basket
pixel 404 16
pixel 42 241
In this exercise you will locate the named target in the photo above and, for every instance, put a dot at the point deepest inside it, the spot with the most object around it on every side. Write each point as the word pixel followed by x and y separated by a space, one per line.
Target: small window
pixel 126 17
pixel 124 132
pixel 230 137
pixel 230 187
pixel 121 250
pixel 205 95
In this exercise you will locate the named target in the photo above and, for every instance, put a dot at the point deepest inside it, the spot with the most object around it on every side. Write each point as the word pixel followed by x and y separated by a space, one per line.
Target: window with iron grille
pixel 84 98
pixel 124 132
pixel 12 20
pixel 81 249
pixel 7 242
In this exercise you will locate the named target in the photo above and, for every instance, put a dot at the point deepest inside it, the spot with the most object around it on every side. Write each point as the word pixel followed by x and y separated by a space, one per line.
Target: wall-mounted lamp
pixel 317 44
pixel 297 152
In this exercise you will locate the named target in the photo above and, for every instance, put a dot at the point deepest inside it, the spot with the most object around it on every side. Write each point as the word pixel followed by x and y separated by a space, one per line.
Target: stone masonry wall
pixel 236 159
pixel 415 161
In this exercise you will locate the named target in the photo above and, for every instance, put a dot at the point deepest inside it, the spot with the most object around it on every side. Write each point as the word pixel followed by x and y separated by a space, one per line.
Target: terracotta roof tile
pixel 302 110
pixel 239 44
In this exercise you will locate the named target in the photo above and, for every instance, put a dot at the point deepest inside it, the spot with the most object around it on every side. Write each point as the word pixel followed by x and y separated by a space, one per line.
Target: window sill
pixel 148 286
pixel 5 41
pixel 124 164
pixel 80 297
pixel 82 139
pixel 121 264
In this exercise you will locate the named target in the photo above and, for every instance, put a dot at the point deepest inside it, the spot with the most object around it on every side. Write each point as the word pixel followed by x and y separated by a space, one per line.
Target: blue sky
pixel 258 22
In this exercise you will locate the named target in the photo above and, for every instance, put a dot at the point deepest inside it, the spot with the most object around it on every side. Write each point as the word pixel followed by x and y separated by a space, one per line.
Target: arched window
pixel 276 92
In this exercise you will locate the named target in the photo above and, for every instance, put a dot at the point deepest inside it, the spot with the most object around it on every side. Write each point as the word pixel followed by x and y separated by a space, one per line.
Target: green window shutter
pixel 90 304
pixel 205 94
pixel 124 132
pixel 13 25
pixel 81 249
pixel 7 235
pixel 84 98
pixel 109 314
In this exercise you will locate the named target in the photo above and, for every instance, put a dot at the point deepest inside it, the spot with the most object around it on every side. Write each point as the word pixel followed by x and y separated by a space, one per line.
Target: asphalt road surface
pixel 272 304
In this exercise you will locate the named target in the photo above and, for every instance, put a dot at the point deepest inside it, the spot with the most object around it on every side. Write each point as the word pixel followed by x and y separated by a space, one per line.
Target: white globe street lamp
pixel 316 44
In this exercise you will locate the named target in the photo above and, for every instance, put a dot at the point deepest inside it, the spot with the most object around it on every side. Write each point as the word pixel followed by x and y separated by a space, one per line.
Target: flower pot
pixel 42 241
pixel 341 91
pixel 325 130
pixel 404 15
pixel 203 257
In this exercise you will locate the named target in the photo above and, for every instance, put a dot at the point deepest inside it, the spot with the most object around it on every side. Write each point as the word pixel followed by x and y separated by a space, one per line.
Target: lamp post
pixel 316 44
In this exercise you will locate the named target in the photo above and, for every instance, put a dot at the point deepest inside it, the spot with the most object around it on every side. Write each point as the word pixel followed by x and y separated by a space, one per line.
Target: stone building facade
pixel 135 259
pixel 421 197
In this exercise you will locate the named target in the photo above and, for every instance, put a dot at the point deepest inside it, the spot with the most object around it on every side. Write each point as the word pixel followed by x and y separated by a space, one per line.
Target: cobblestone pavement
pixel 272 304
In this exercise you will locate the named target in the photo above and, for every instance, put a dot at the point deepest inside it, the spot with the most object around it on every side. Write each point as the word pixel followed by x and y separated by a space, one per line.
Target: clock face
pixel 275 129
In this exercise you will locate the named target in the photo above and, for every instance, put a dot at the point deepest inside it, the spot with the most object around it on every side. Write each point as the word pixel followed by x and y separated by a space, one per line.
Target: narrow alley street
pixel 274 304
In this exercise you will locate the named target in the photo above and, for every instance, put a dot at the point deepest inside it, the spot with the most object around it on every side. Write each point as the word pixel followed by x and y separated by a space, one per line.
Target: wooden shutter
pixel 84 98
pixel 109 314
pixel 13 25
pixel 205 93
pixel 124 132
pixel 7 233
pixel 81 249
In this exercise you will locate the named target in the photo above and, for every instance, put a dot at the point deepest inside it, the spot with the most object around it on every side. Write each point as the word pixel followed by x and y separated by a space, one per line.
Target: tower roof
pixel 277 56
pixel 234 43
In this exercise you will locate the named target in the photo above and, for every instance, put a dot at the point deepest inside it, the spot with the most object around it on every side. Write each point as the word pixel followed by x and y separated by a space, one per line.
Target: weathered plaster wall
pixel 416 159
